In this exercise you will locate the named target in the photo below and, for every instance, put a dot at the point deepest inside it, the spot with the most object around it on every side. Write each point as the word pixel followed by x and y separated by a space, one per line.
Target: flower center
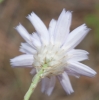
pixel 53 56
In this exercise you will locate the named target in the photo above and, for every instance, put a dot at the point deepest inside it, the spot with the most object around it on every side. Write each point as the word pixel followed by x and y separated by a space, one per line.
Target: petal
pixel 78 58
pixel 24 33
pixel 77 52
pixel 23 51
pixel 65 82
pixel 26 48
pixel 51 30
pixel 48 85
pixel 35 36
pixel 44 83
pixel 22 60
pixel 63 26
pixel 80 69
pixel 36 40
pixel 40 28
pixel 33 71
pixel 75 37
pixel 77 55
pixel 51 85
pixel 72 73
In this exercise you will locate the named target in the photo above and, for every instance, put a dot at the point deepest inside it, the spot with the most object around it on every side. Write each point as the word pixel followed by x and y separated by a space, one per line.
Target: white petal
pixel 45 82
pixel 51 85
pixel 80 69
pixel 23 51
pixel 26 48
pixel 65 82
pixel 78 58
pixel 40 28
pixel 33 71
pixel 63 27
pixel 24 33
pixel 51 30
pixel 72 73
pixel 36 41
pixel 48 85
pixel 35 35
pixel 22 60
pixel 75 37
pixel 77 55
pixel 77 52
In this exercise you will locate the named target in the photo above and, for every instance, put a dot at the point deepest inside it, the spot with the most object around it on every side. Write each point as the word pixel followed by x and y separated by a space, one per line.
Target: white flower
pixel 55 47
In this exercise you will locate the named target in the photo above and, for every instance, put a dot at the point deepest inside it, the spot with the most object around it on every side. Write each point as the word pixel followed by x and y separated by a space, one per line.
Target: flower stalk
pixel 36 79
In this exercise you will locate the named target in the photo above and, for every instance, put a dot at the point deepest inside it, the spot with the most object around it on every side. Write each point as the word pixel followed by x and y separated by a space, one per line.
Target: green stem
pixel 34 83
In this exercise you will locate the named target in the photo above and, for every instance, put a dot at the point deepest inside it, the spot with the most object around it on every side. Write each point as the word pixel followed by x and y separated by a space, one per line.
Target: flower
pixel 55 47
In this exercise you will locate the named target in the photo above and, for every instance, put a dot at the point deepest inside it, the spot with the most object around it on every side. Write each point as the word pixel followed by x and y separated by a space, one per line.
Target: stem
pixel 34 83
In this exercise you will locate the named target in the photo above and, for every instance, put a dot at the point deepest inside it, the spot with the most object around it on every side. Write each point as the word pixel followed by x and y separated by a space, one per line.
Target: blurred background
pixel 14 82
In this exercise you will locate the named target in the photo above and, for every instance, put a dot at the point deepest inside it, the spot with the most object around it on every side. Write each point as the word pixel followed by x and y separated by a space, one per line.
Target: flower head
pixel 55 47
